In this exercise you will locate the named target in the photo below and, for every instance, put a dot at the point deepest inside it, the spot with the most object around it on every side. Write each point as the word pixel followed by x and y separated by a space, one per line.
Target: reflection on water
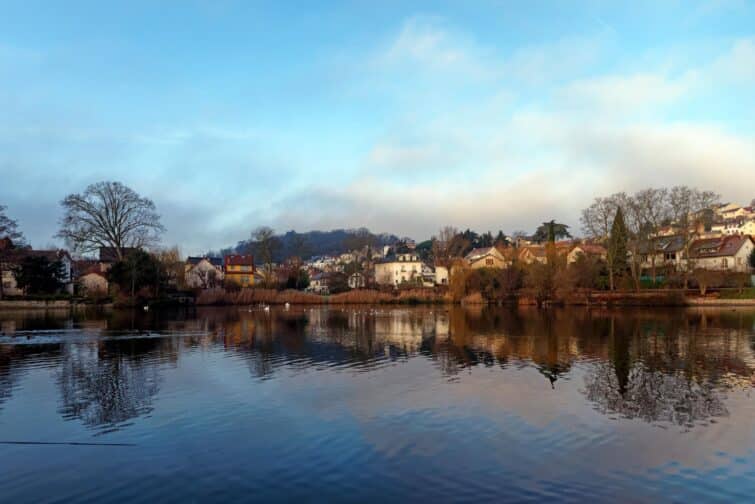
pixel 452 373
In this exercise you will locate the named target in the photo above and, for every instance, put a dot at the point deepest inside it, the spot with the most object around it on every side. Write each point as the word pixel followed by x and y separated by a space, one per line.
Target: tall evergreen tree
pixel 617 248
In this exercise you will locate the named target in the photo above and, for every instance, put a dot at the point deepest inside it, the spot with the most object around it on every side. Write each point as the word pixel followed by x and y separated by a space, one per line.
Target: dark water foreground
pixel 378 404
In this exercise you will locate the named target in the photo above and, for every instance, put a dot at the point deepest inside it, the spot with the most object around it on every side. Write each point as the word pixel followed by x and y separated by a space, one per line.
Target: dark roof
pixel 662 245
pixel 717 247
pixel 110 254
pixel 393 257
pixel 215 261
pixel 17 255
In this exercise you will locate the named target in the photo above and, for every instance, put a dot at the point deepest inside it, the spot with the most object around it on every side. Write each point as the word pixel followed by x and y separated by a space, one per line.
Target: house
pixel 428 276
pixel 13 258
pixel 735 226
pixel 488 257
pixel 441 275
pixel 239 270
pixel 357 281
pixel 93 283
pixel 727 253
pixel 109 256
pixel 203 272
pixel 399 268
pixel 319 284
pixel 586 249
pixel 533 253
pixel 734 211
pixel 662 252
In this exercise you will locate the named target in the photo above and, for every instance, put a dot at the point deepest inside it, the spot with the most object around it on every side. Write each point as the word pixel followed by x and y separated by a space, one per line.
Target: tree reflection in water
pixel 655 366
pixel 107 383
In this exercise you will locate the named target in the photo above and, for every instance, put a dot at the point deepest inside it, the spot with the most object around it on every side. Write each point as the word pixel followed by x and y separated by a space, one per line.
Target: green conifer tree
pixel 617 249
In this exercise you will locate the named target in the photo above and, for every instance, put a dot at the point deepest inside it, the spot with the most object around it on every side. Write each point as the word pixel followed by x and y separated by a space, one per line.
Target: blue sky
pixel 400 116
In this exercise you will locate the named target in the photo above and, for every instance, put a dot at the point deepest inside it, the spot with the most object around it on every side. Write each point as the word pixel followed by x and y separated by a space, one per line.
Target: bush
pixel 541 280
pixel 707 279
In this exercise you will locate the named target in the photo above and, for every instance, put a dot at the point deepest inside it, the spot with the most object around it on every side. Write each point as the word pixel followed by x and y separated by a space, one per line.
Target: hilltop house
pixel 487 257
pixel 399 268
pixel 203 272
pixel 735 226
pixel 239 270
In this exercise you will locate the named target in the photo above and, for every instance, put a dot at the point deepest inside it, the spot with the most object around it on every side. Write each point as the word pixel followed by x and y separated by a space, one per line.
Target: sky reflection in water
pixel 373 403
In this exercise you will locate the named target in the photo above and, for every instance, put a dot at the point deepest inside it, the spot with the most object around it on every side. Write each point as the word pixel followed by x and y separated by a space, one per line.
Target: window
pixel 724 263
pixel 489 262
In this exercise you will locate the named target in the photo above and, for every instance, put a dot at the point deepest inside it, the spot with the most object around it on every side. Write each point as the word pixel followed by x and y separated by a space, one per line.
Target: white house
pixel 441 275
pixel 357 281
pixel 399 268
pixel 737 226
pixel 727 253
pixel 319 284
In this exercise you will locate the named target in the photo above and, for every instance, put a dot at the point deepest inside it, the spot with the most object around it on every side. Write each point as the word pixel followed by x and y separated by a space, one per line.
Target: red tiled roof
pixel 717 247
pixel 239 260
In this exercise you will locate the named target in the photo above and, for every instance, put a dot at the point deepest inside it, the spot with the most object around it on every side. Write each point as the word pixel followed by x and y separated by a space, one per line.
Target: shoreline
pixel 408 298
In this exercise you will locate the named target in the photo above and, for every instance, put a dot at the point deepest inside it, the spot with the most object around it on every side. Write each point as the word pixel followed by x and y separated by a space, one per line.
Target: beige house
pixel 586 249
pixel 529 255
pixel 441 275
pixel 488 257
pixel 399 268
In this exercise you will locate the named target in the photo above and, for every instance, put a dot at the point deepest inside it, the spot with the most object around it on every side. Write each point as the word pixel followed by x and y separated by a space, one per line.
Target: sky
pixel 399 116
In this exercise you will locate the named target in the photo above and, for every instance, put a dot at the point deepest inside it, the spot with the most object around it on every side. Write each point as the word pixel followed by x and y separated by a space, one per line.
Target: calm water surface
pixel 375 403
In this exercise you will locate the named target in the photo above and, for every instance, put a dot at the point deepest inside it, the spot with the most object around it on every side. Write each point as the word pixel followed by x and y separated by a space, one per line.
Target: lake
pixel 372 404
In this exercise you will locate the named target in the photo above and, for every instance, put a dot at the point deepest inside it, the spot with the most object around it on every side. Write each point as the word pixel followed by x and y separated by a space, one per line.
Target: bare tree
pixel 9 230
pixel 448 245
pixel 109 214
pixel 597 219
pixel 265 246
pixel 656 211
pixel 687 207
